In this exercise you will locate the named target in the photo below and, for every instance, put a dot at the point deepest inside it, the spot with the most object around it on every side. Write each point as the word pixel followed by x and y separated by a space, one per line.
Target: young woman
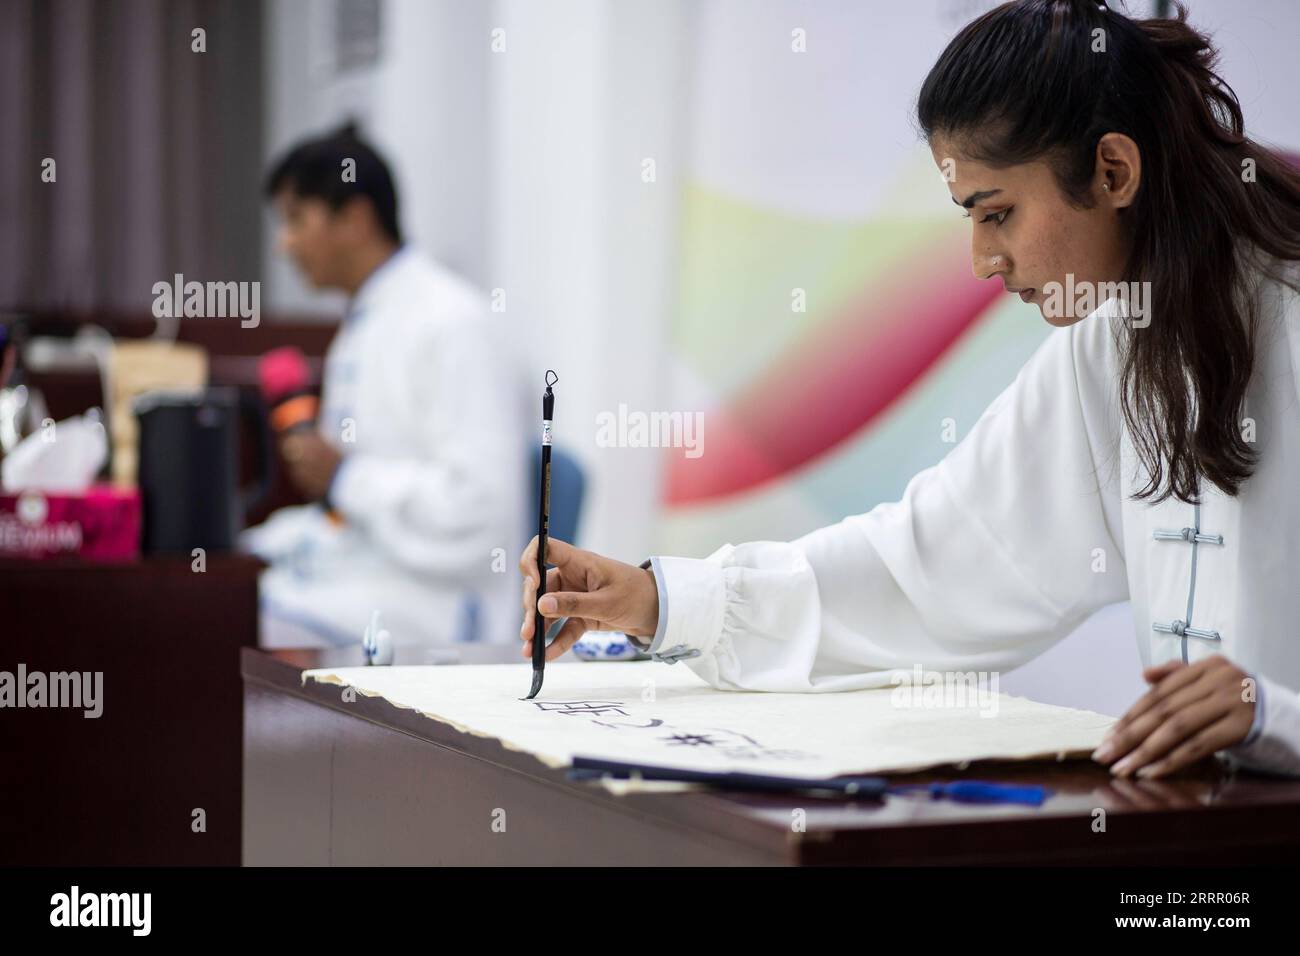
pixel 1149 451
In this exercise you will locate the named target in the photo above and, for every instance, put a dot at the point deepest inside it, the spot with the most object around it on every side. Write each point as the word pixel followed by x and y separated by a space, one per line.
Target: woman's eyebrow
pixel 973 198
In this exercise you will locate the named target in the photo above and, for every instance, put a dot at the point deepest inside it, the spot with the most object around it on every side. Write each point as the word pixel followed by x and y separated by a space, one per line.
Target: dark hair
pixel 1021 83
pixel 314 169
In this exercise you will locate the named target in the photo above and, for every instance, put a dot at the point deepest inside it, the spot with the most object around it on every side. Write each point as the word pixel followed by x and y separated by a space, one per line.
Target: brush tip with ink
pixel 537 684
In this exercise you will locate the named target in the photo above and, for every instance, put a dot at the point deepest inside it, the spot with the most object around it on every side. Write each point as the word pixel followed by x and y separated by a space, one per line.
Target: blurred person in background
pixel 415 467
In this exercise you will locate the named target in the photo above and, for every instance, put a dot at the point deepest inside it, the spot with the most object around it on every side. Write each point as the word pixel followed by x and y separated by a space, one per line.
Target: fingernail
pixel 546 605
pixel 1145 772
pixel 1103 753
pixel 1122 768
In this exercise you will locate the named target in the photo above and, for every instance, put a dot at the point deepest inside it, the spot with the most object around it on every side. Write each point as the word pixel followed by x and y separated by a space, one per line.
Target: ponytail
pixel 1024 82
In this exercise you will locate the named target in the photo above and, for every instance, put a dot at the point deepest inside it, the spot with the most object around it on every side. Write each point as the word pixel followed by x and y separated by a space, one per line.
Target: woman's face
pixel 1025 232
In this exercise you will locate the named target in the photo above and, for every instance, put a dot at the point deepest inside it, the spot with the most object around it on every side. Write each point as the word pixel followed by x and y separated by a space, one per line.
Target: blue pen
pixel 977 791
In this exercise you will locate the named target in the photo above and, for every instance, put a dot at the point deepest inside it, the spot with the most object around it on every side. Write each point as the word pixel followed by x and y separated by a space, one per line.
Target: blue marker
pixel 977 791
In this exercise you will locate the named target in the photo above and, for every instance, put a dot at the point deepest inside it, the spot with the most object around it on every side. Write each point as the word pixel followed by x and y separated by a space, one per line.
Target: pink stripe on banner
pixel 837 382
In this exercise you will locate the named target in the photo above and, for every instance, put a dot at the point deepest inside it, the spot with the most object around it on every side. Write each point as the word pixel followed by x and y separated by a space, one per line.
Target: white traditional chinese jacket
pixel 1025 529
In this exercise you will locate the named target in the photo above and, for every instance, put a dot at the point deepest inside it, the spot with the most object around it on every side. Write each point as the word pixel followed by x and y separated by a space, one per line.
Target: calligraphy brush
pixel 858 788
pixel 543 529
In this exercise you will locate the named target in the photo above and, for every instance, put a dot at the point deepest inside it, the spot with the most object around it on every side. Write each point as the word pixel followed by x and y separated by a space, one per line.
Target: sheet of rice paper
pixel 650 713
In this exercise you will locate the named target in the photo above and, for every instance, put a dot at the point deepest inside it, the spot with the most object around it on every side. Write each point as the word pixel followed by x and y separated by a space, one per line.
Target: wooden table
pixel 332 781
pixel 121 789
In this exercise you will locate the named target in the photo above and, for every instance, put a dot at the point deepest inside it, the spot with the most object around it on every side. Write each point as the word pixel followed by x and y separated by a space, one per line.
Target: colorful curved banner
pixel 839 380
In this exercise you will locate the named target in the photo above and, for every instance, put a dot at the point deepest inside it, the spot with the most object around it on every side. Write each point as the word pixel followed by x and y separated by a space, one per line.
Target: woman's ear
pixel 1119 170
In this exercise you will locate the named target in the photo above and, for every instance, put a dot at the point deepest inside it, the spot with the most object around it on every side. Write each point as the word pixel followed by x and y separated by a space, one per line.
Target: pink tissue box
pixel 99 524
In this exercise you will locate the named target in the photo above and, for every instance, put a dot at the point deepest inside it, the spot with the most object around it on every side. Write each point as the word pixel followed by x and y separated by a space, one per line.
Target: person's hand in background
pixel 312 462
pixel 595 593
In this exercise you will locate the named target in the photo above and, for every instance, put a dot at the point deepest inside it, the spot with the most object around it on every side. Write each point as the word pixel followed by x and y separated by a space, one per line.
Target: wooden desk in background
pixel 363 782
pixel 120 789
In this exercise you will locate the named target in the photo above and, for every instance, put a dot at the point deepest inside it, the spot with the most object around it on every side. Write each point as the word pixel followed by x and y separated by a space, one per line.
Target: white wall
pixel 583 247
pixel 423 105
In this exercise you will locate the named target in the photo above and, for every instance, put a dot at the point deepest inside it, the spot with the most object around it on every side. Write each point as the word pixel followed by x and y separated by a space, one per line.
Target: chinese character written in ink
pixel 691 740
pixel 589 708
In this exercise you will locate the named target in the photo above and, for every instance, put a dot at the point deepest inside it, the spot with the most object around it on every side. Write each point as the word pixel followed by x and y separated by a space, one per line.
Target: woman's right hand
pixel 595 593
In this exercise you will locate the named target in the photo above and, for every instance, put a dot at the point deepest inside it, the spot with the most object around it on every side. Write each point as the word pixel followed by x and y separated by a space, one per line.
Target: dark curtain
pixel 156 147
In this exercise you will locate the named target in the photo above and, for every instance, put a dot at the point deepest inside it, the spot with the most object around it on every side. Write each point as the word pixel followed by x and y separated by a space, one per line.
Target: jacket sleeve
pixel 1273 744
pixel 989 558
pixel 439 509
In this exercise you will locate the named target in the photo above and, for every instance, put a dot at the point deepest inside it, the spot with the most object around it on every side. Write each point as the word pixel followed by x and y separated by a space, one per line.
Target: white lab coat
pixel 1014 539
pixel 421 395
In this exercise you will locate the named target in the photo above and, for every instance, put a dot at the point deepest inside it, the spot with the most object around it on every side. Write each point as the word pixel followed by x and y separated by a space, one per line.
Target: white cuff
pixel 1273 743
pixel 691 598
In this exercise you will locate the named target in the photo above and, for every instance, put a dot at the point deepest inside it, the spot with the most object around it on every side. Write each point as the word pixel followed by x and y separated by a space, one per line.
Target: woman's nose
pixel 987 266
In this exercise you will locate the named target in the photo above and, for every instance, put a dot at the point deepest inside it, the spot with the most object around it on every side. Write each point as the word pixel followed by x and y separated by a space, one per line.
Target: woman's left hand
pixel 1190 711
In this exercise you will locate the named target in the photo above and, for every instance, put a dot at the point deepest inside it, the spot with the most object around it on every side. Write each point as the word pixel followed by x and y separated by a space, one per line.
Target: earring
pixel 1106 186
